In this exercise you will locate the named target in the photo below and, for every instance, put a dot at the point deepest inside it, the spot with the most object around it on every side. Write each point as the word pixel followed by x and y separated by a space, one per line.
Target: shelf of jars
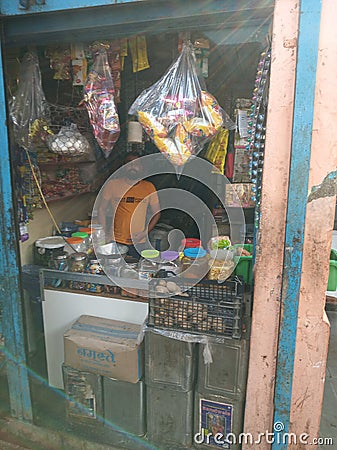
pixel 94 284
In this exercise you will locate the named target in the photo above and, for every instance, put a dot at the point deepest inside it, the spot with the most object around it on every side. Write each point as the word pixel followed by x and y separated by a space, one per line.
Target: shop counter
pixel 61 307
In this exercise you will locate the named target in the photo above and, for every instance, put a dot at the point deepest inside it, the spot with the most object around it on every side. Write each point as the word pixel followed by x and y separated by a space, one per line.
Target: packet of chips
pixel 177 112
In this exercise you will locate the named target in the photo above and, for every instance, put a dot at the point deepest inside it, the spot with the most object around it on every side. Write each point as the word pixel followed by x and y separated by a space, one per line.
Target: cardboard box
pixel 107 347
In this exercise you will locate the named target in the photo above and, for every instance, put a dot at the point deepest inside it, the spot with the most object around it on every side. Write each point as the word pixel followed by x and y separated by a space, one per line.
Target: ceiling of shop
pixel 229 22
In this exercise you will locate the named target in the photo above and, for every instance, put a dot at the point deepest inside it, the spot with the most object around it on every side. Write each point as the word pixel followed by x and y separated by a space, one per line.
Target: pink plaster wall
pixel 268 269
pixel 313 327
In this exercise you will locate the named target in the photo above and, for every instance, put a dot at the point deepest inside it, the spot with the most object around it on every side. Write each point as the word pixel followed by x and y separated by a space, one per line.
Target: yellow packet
pixel 138 53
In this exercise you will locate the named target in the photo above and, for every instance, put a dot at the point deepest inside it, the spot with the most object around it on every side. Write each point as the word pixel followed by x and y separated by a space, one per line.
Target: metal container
pixel 214 417
pixel 227 374
pixel 169 417
pixel 84 395
pixel 169 362
pixel 124 405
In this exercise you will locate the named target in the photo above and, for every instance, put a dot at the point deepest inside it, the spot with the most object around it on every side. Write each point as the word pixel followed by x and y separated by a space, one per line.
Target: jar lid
pixel 80 256
pixel 80 234
pixel 85 230
pixel 96 226
pixel 169 255
pixel 63 255
pixel 195 252
pixel 191 242
pixel 149 254
pixel 74 240
pixel 50 242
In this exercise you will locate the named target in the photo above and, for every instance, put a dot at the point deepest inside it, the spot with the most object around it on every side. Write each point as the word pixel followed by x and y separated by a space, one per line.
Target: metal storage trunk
pixel 215 416
pixel 124 405
pixel 169 362
pixel 227 374
pixel 84 395
pixel 169 417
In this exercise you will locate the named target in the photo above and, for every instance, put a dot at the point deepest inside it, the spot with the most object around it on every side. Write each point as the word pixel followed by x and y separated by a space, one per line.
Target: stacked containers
pixel 220 394
pixel 170 370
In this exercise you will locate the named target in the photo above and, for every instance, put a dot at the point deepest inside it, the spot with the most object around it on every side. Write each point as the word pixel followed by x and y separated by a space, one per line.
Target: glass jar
pixel 78 263
pixel 59 262
pixel 195 263
pixel 74 244
pixel 83 236
pixel 94 268
pixel 148 264
pixel 170 262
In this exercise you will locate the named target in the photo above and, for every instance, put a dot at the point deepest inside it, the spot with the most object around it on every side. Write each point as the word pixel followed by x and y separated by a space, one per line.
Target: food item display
pixel 100 104
pixel 177 113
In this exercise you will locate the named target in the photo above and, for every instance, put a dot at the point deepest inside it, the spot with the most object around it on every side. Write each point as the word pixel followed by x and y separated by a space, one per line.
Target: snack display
pixel 100 104
pixel 178 114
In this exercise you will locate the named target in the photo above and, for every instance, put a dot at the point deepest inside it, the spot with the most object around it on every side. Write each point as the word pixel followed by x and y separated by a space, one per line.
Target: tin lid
pixel 50 242
pixel 80 234
pixel 195 252
pixel 149 254
pixel 169 255
pixel 79 256
pixel 61 256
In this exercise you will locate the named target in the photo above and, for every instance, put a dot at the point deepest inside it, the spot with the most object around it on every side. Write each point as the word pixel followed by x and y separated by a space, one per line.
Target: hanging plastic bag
pixel 28 106
pixel 177 112
pixel 68 142
pixel 99 101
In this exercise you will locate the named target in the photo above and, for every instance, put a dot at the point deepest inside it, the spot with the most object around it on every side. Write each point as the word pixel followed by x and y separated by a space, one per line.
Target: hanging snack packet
pixel 99 101
pixel 178 114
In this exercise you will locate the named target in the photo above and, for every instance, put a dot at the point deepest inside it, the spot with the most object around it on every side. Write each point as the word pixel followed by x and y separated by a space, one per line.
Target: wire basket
pixel 207 308
pixel 62 115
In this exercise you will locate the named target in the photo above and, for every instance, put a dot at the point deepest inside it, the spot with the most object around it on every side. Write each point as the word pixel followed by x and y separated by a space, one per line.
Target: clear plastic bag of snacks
pixel 99 101
pixel 177 112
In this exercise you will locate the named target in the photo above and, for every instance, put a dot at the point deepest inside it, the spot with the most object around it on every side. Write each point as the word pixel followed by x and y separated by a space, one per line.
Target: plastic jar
pixel 89 233
pixel 98 234
pixel 59 262
pixel 129 270
pixel 74 244
pixel 46 248
pixel 196 260
pixel 94 268
pixel 83 236
pixel 170 262
pixel 148 264
pixel 78 263
pixel 220 269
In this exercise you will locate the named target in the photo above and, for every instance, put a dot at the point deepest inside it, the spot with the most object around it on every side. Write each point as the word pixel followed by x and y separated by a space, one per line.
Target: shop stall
pixel 232 53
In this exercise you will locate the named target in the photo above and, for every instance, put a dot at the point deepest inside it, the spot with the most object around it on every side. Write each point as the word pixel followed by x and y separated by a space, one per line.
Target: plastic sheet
pixel 28 106
pixel 177 112
pixel 192 338
pixel 99 101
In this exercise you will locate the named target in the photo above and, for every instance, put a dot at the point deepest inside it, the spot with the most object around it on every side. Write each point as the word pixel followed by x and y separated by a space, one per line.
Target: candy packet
pixel 99 101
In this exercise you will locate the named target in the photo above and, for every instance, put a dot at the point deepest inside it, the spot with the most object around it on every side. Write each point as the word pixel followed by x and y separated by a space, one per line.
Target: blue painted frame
pixel 10 289
pixel 309 27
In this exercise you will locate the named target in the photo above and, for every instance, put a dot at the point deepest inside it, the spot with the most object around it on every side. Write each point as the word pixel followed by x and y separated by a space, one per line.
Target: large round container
pixel 45 249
